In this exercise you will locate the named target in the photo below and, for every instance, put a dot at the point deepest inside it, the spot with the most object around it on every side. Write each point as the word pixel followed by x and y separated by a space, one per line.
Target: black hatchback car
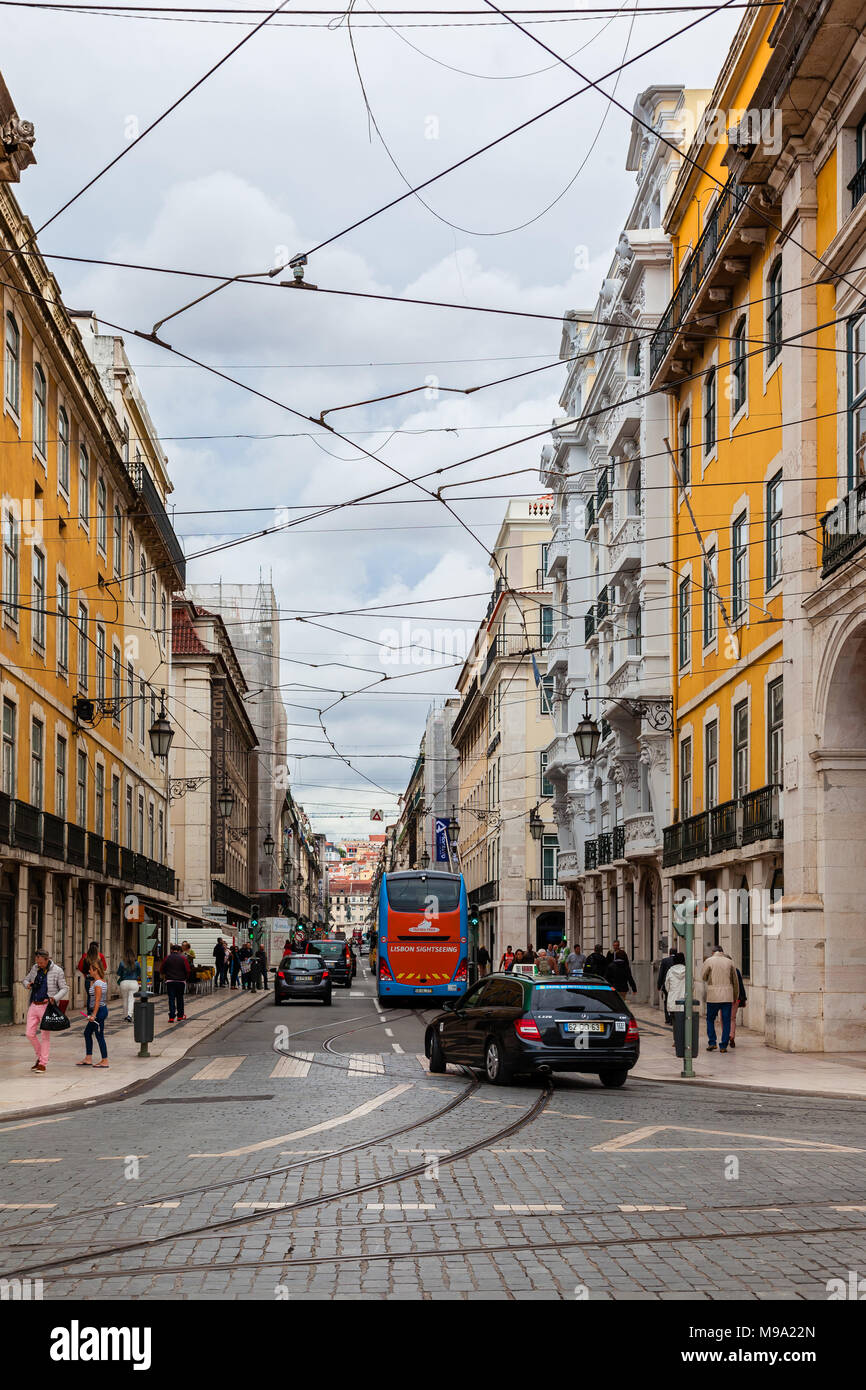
pixel 302 977
pixel 509 1024
pixel 339 959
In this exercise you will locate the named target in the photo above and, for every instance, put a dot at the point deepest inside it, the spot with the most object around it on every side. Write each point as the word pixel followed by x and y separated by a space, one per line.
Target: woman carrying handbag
pixel 46 983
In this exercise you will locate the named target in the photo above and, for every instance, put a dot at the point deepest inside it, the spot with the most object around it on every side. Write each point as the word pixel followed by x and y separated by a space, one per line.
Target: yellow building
pixel 761 351
pixel 88 566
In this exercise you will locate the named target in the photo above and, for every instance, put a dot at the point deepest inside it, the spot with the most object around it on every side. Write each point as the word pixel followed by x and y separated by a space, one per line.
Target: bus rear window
pixel 422 892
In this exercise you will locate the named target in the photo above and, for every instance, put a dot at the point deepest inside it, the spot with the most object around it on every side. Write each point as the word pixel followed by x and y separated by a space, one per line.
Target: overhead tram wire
pixel 127 149
pixel 466 159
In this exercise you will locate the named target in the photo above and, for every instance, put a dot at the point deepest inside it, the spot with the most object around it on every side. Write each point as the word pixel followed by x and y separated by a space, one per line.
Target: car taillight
pixel 631 1032
pixel 324 974
pixel 280 975
pixel 527 1028
pixel 461 975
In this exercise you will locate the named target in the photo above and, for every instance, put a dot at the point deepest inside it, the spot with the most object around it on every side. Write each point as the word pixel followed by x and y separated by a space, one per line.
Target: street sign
pixel 376 815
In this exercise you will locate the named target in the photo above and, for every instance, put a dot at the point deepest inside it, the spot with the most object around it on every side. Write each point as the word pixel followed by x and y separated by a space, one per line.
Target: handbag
pixel 53 1021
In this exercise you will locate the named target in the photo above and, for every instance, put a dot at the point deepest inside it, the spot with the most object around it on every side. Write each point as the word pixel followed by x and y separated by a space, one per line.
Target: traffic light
pixel 254 920
pixel 473 920
pixel 147 936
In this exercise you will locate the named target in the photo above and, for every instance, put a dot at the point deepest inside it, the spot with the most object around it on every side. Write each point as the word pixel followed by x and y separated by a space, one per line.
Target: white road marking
pixel 36 1160
pixel 366 1064
pixel 258 1206
pixel 401 1206
pixel 396 1046
pixel 845 1209
pixel 650 1206
pixel 426 1151
pixel 159 1204
pixel 373 1104
pixel 26 1124
pixel 27 1206
pixel 775 1142
pixel 118 1158
pixel 219 1069
pixel 518 1151
pixel 522 1209
pixel 389 1032
pixel 299 1065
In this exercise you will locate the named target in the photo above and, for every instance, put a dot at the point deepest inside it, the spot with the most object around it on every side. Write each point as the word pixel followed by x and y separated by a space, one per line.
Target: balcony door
pixel 549 860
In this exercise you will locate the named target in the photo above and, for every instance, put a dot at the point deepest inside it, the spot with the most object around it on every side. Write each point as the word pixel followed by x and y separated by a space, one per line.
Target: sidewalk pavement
pixel 24 1092
pixel 751 1066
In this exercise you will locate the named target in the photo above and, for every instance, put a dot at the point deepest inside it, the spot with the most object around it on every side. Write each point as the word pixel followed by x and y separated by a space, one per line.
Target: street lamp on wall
pixel 226 802
pixel 161 732
pixel 269 842
pixel 536 824
pixel 453 829
pixel 587 735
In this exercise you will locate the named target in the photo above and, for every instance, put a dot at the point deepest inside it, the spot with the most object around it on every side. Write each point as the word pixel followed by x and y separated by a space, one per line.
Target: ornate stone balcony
pixel 640 836
pixel 624 551
pixel 557 554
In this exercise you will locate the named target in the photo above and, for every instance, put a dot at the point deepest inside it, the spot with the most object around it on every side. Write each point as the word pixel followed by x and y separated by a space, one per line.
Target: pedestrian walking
pixel 507 961
pixel 675 986
pixel 575 961
pixel 47 985
pixel 85 965
pixel 664 967
pixel 176 972
pixel 719 974
pixel 739 1003
pixel 129 980
pixel 596 962
pixel 544 963
pixel 374 942
pixel 619 972
pixel 220 963
pixel 97 1013
pixel 262 957
pixel 255 975
pixel 234 964
pixel 483 960
pixel 157 967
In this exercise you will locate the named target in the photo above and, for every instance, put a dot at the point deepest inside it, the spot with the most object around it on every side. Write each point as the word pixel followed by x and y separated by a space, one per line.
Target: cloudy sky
pixel 274 154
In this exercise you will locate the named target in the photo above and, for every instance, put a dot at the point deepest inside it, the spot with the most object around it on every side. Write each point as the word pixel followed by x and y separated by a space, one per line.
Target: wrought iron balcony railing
pixel 843 530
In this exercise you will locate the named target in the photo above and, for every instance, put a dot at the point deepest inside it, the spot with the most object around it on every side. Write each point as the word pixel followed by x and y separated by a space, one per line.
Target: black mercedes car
pixel 339 959
pixel 509 1024
pixel 302 977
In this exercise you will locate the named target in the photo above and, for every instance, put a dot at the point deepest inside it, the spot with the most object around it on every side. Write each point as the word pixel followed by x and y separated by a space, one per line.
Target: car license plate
pixel 418 990
pixel 584 1027
pixel 304 979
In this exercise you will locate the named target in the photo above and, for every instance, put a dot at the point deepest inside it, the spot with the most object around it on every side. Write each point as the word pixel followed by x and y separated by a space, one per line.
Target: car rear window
pixel 423 891
pixel 302 963
pixel 579 998
pixel 333 948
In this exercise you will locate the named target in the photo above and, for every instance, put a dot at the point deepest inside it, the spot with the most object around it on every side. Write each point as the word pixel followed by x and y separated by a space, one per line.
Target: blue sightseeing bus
pixel 423 935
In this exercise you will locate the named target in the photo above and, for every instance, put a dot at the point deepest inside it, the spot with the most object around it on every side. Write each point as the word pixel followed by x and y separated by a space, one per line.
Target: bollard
pixel 143 1014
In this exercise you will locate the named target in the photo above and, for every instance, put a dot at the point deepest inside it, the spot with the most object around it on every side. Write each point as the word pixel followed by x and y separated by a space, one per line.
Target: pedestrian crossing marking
pixel 219 1069
pixel 366 1064
pixel 771 1143
pixel 518 1151
pixel 650 1206
pixel 157 1204
pixel 27 1206
pixel 524 1208
pixel 36 1160
pixel 401 1206
pixel 298 1065
pixel 374 1103
pixel 258 1206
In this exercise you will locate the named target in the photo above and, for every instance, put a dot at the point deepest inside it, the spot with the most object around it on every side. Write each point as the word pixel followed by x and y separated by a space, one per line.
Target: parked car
pixel 303 977
pixel 510 1024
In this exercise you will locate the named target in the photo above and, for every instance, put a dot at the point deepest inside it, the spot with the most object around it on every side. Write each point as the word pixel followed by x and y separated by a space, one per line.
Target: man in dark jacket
pixel 596 963
pixel 619 971
pixel 262 957
pixel 220 964
pixel 176 972
pixel 483 959
pixel 662 975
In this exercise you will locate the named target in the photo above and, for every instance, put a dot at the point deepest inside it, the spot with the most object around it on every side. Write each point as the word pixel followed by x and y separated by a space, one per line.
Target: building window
pixel 634 360
pixel 140 823
pixel 130 564
pixel 738 367
pixel 711 571
pixel 685 779
pixel 102 516
pixel 82 647
pixel 546 692
pixel 153 601
pixel 62 625
pixel 711 764
pixel 60 778
pixel 774 312
pixel 11 545
pixel 117 542
pixel 100 663
pixel 130 700
pixel 115 684
pixel 741 748
pixel 37 763
pixel 115 810
pixel 40 409
pixel 99 799
pixel 9 721
pixel 739 567
pixel 126 441
pixel 13 364
pixel 774 733
pixel 545 786
pixel 744 916
pixel 635 630
pixel 142 705
pixel 856 401
pixel 710 411
pixel 545 549
pixel 161 836
pixel 81 790
pixel 129 818
pixel 685 622
pixel 163 630
pixel 63 450
pixel 151 832
pixel 83 486
pixel 774 530
pixel 686 450
pixel 37 617
pixel 549 859
pixel 143 566
pixel 546 624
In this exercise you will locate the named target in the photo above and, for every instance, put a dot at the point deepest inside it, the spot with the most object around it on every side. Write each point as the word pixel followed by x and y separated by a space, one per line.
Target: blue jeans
pixel 712 1010
pixel 176 990
pixel 96 1030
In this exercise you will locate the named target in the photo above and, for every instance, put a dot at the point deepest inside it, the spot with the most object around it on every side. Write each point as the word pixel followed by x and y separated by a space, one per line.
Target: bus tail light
pixel 527 1028
pixel 384 972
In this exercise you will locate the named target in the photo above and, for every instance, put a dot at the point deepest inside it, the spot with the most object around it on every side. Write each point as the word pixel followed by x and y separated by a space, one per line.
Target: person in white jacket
pixel 675 983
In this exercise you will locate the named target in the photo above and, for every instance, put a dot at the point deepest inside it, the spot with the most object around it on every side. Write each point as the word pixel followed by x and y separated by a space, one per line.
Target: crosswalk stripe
pixel 219 1069
pixel 298 1065
pixel 648 1206
pixel 27 1206
pixel 35 1160
pixel 401 1206
pixel 523 1208
pixel 258 1206
pixel 366 1064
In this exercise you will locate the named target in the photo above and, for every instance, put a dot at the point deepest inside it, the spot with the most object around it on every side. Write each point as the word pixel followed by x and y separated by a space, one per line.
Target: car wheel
pixel 496 1069
pixel 434 1052
pixel 613 1078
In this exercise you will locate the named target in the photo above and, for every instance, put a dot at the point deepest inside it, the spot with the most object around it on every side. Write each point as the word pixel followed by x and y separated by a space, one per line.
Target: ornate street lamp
pixel 587 735
pixel 536 824
pixel 269 842
pixel 453 828
pixel 425 861
pixel 226 802
pixel 161 732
